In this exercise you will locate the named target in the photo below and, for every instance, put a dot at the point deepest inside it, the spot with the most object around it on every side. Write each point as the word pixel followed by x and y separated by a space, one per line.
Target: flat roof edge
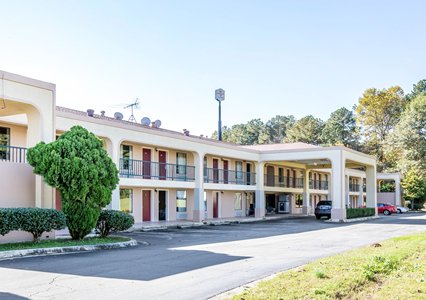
pixel 28 81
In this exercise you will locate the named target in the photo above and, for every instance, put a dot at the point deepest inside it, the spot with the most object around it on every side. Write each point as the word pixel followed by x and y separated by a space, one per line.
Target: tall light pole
pixel 220 96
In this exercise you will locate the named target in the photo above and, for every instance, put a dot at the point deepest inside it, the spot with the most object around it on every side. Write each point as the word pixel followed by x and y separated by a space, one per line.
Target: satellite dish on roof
pixel 145 121
pixel 118 116
pixel 157 123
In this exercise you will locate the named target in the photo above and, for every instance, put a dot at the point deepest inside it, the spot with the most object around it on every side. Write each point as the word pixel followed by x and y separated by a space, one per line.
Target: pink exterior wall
pixel 386 198
pixel 17 189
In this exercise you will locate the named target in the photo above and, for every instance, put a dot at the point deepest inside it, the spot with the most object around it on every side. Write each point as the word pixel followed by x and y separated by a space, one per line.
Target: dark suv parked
pixel 323 209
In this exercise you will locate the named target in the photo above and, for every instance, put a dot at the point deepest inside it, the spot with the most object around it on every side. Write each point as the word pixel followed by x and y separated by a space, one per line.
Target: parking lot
pixel 193 263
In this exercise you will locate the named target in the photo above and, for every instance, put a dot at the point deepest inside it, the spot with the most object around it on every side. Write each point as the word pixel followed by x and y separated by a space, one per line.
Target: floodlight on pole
pixel 219 95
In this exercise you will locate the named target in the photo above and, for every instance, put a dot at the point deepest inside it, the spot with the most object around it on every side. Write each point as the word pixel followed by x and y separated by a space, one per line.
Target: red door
pixel 162 159
pixel 216 205
pixel 146 163
pixel 146 205
pixel 215 170
pixel 225 171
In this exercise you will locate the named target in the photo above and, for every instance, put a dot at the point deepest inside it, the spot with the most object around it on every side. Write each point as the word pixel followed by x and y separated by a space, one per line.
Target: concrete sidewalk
pixel 161 225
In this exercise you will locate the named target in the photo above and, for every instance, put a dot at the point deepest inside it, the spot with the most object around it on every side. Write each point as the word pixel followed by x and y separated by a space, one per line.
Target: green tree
pixel 253 132
pixel 407 144
pixel 277 128
pixel 78 166
pixel 418 89
pixel 414 185
pixel 378 112
pixel 341 129
pixel 307 130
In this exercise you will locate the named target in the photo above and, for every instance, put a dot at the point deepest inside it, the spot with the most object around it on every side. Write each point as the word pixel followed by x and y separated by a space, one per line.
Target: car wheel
pixel 386 212
pixel 318 217
pixel 398 211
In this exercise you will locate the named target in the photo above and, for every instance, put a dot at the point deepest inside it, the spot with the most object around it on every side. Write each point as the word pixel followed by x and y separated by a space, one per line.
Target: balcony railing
pixel 353 187
pixel 284 182
pixel 13 154
pixel 318 185
pixel 132 168
pixel 212 175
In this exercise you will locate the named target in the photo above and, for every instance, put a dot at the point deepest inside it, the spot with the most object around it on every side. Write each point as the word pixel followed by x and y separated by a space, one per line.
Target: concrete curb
pixel 353 220
pixel 63 250
pixel 208 223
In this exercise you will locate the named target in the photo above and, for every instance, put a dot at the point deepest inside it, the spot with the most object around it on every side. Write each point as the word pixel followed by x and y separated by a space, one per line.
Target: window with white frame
pixel 239 172
pixel 299 200
pixel 4 142
pixel 238 202
pixel 180 201
pixel 126 200
pixel 126 156
pixel 180 164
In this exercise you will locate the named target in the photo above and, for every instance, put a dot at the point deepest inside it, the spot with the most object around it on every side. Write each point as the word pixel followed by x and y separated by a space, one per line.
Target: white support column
pixel 260 191
pixel 338 211
pixel 361 192
pixel 347 191
pixel 306 208
pixel 115 156
pixel 198 212
pixel 398 191
pixel 371 187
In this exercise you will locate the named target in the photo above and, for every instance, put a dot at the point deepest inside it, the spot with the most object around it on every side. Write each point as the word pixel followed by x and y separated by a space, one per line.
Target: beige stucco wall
pixel 18 134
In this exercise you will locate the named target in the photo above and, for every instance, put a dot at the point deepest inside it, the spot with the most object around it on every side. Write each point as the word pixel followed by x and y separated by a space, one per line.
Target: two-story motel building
pixel 167 175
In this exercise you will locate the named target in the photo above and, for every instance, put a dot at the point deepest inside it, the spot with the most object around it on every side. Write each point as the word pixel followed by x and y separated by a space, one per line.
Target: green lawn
pixel 61 243
pixel 394 269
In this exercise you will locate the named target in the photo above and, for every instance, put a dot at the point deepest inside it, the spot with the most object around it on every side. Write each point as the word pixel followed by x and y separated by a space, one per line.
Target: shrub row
pixel 32 220
pixel 113 220
pixel 39 220
pixel 352 213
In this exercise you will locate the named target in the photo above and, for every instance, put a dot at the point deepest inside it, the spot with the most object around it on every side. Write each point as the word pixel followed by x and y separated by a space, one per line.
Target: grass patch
pixel 394 269
pixel 61 243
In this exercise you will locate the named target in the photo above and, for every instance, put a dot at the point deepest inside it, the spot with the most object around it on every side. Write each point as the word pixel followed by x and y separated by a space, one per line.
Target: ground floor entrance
pixel 162 205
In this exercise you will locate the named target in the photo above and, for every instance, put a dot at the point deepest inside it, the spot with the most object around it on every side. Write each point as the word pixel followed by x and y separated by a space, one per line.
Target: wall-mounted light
pixel 155 190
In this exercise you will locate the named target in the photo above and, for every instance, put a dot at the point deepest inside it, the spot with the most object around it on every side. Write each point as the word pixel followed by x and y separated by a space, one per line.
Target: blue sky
pixel 272 57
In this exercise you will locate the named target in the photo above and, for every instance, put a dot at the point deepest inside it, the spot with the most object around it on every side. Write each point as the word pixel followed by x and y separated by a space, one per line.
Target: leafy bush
pixel 379 265
pixel 32 220
pixel 113 220
pixel 352 213
pixel 39 220
pixel 8 221
pixel 77 165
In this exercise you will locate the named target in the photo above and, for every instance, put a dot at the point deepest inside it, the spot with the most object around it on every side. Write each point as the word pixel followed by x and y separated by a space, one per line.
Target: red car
pixel 386 209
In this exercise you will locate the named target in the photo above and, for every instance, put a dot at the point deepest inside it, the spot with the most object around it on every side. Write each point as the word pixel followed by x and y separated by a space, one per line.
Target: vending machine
pixel 284 204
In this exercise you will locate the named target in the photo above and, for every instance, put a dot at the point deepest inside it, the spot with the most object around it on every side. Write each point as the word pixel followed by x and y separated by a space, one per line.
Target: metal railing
pixel 13 154
pixel 353 187
pixel 213 175
pixel 284 182
pixel 132 168
pixel 318 184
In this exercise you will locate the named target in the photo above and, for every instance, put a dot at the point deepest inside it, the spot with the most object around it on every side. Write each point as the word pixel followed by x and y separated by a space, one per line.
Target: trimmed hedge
pixel 352 213
pixel 32 220
pixel 113 220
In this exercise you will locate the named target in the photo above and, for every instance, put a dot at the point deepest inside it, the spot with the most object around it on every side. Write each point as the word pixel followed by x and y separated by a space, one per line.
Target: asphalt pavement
pixel 193 263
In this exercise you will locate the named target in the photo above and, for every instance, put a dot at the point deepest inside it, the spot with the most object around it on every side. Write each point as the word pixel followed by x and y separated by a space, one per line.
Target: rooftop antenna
pixel 134 105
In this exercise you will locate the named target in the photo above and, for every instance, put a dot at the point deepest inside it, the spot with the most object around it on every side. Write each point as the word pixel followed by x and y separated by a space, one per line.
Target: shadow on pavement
pixel 149 265
pixel 9 296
